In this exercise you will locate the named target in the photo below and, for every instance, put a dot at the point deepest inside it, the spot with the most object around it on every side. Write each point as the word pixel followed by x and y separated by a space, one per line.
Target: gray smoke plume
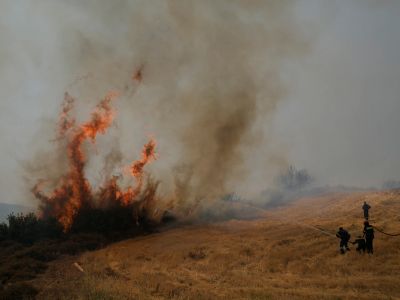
pixel 214 74
pixel 210 83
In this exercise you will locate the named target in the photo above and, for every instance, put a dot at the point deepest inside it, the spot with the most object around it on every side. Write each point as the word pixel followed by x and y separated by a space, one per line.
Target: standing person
pixel 344 237
pixel 369 237
pixel 366 208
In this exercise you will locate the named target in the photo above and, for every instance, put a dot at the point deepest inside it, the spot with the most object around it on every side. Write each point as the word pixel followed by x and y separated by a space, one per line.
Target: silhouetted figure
pixel 344 237
pixel 369 237
pixel 366 208
pixel 361 246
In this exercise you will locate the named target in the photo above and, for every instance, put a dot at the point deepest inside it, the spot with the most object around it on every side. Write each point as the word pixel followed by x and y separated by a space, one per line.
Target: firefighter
pixel 344 237
pixel 366 208
pixel 369 237
pixel 360 241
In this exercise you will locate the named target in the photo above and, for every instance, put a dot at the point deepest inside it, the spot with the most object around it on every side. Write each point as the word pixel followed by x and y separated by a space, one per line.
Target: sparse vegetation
pixel 271 258
pixel 289 185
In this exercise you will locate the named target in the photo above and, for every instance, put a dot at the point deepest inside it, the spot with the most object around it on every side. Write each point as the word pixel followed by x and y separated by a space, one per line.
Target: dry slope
pixel 280 256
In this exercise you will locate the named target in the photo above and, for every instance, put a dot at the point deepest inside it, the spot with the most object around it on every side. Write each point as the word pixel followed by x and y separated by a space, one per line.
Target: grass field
pixel 281 255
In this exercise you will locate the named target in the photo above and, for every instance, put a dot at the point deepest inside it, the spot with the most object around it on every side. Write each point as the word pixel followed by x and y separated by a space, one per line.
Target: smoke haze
pixel 232 91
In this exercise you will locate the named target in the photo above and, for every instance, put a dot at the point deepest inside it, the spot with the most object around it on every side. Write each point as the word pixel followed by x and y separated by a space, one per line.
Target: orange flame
pixel 102 118
pixel 148 154
pixel 74 191
pixel 137 171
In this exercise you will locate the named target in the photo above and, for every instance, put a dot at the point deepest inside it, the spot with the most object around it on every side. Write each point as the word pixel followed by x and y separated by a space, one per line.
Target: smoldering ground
pixel 210 83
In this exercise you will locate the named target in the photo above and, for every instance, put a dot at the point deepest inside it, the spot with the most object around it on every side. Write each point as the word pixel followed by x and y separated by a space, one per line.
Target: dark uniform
pixel 344 239
pixel 369 237
pixel 366 208
pixel 360 244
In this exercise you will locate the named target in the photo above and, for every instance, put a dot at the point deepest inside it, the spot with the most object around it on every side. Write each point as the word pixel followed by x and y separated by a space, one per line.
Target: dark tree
pixel 293 179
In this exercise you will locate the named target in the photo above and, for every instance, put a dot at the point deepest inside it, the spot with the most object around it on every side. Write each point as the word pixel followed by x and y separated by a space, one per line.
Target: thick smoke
pixel 213 77
pixel 210 81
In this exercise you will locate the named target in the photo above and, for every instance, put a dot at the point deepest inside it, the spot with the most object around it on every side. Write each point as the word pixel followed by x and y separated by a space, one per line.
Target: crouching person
pixel 361 246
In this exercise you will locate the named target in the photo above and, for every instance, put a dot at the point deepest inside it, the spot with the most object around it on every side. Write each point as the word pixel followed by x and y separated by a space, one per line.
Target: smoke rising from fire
pixel 212 77
pixel 209 74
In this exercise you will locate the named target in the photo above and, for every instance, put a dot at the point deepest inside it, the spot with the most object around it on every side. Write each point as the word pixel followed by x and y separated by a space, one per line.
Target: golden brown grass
pixel 280 256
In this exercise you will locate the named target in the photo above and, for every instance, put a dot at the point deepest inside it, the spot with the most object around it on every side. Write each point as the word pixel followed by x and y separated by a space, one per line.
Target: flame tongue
pixel 102 118
pixel 74 191
pixel 148 154
pixel 81 194
pixel 137 171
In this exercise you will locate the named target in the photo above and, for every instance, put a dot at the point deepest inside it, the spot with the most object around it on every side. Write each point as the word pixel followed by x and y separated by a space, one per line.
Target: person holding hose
pixel 369 237
pixel 344 237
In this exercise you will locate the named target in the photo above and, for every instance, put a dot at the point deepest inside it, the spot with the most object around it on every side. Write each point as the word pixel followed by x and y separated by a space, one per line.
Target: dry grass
pixel 280 256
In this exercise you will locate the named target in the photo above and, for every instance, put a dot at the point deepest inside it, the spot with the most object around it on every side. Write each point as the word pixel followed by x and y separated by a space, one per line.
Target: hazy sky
pixel 342 120
pixel 338 118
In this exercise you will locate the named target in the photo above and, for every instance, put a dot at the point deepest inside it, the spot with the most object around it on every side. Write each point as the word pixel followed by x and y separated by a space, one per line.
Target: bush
pixel 116 221
pixel 29 228
pixel 294 179
pixel 22 227
pixel 113 219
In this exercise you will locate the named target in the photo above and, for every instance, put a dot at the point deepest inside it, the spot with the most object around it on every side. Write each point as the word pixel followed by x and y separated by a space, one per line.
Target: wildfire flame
pixel 136 170
pixel 74 191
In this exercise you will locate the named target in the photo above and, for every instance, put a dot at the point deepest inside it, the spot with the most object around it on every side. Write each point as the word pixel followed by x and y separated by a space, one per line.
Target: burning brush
pixel 74 203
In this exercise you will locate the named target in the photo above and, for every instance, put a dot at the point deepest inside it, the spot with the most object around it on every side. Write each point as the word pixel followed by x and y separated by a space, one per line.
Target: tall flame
pixel 74 191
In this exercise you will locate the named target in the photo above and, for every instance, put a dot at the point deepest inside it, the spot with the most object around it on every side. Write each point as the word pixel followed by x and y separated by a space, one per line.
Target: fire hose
pixel 323 230
pixel 326 232
pixel 389 234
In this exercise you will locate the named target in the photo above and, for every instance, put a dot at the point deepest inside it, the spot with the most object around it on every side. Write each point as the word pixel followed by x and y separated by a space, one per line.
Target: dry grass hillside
pixel 279 256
